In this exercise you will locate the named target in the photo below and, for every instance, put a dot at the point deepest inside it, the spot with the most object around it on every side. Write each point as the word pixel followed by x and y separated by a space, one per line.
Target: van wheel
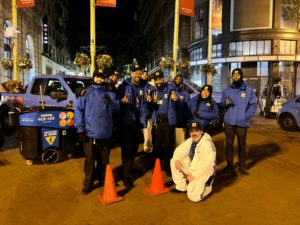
pixel 50 156
pixel 288 122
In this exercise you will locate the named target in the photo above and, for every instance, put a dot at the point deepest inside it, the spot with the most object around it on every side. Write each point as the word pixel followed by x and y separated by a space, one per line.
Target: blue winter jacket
pixel 181 106
pixel 165 105
pixel 203 111
pixel 92 115
pixel 243 105
pixel 130 112
pixel 146 108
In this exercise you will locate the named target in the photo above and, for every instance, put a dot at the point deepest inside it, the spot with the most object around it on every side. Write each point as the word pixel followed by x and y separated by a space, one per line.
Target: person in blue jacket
pixel 93 120
pixel 181 109
pixel 239 102
pixel 130 95
pixel 164 120
pixel 203 108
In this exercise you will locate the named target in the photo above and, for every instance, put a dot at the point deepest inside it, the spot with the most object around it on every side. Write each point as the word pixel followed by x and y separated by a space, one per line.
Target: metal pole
pixel 93 35
pixel 15 40
pixel 209 50
pixel 175 41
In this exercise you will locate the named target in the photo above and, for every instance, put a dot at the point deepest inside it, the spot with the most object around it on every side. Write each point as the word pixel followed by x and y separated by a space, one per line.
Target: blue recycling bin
pixel 47 134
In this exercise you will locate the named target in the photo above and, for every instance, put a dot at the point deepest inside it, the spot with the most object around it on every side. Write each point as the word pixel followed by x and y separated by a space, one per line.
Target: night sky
pixel 115 28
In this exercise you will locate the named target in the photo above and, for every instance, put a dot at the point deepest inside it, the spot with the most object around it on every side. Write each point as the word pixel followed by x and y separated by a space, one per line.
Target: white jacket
pixel 203 164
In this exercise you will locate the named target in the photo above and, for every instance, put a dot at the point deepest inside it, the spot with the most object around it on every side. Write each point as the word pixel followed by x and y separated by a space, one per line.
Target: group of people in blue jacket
pixel 161 112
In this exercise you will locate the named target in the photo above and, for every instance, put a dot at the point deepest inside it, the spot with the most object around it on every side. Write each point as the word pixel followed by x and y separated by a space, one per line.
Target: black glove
pixel 106 99
pixel 214 123
pixel 81 137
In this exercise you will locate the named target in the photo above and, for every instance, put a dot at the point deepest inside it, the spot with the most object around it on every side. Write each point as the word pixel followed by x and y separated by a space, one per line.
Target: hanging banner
pixel 107 3
pixel 25 3
pixel 186 7
pixel 217 15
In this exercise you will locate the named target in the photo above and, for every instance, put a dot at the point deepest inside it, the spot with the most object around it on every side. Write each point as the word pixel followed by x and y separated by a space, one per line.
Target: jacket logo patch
pixel 181 97
pixel 243 95
pixel 159 102
pixel 166 96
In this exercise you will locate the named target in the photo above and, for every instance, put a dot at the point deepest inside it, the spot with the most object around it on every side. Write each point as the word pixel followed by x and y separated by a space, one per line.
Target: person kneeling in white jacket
pixel 193 164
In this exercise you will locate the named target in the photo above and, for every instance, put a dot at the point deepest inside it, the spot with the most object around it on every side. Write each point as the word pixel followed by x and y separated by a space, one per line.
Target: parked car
pixel 288 117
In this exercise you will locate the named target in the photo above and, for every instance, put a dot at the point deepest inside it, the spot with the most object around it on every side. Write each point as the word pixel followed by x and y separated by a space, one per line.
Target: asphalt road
pixel 50 194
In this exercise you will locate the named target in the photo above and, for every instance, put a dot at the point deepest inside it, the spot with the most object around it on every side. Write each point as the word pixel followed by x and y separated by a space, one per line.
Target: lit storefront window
pixel 262 69
pixel 196 54
pixel 217 50
pixel 287 47
pixel 260 47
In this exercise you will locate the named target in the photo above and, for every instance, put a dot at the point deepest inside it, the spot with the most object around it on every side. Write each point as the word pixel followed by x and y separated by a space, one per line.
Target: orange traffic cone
pixel 157 186
pixel 109 194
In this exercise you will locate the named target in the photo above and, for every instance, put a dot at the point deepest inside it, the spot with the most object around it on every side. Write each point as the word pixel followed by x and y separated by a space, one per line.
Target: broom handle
pixel 41 93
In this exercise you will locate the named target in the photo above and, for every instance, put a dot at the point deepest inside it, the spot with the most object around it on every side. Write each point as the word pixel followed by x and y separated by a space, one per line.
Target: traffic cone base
pixel 157 186
pixel 107 202
pixel 158 192
pixel 109 194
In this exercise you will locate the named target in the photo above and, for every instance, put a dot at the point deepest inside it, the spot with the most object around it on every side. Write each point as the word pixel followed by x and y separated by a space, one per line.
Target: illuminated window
pixel 7 53
pixel 217 50
pixel 250 48
pixel 287 47
pixel 262 69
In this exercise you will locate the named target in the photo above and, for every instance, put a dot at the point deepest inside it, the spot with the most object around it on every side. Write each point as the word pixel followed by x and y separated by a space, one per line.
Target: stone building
pixel 156 22
pixel 44 45
pixel 256 36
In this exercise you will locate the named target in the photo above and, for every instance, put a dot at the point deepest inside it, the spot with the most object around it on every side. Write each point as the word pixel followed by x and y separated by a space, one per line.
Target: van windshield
pixel 75 83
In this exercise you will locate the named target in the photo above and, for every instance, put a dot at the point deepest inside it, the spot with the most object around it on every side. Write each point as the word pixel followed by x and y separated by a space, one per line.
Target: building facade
pixel 44 46
pixel 257 36
pixel 156 22
pixel 55 55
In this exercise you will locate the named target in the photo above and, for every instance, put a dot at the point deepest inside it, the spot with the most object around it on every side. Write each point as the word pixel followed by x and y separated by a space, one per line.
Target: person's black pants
pixel 241 134
pixel 164 137
pixel 96 153
pixel 129 147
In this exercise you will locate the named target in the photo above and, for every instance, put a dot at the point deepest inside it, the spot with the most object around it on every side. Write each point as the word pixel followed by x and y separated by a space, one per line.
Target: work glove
pixel 106 99
pixel 81 137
